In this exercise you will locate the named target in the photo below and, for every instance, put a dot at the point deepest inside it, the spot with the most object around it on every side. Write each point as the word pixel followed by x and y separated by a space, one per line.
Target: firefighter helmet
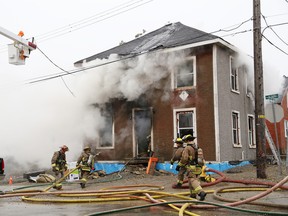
pixel 86 148
pixel 179 140
pixel 64 148
pixel 188 137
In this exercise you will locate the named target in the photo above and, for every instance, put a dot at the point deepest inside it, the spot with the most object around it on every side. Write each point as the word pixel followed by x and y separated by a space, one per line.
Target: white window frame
pixel 287 99
pixel 176 123
pixel 237 129
pixel 234 76
pixel 286 128
pixel 193 72
pixel 251 134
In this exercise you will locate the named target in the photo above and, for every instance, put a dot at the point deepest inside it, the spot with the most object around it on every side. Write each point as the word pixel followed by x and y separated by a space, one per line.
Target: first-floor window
pixel 106 132
pixel 236 128
pixel 286 128
pixel 251 131
pixel 185 122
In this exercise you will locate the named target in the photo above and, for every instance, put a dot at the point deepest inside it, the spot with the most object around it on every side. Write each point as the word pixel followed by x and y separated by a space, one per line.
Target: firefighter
pixel 176 157
pixel 192 158
pixel 86 164
pixel 59 164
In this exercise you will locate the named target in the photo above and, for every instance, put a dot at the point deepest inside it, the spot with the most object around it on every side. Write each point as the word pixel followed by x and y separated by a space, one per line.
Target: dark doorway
pixel 142 131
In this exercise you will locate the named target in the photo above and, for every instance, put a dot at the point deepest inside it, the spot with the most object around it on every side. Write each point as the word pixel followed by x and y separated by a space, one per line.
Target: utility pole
pixel 259 92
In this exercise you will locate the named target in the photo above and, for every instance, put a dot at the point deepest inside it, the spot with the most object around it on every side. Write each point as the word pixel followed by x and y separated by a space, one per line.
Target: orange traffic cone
pixel 10 180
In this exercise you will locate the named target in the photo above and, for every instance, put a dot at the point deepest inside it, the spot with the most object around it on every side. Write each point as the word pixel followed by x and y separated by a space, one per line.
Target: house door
pixel 142 131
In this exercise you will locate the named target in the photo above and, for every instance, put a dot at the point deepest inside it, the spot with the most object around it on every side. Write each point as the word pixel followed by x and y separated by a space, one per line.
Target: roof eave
pixel 203 43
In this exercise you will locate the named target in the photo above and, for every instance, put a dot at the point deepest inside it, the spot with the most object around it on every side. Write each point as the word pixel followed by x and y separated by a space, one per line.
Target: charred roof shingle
pixel 171 35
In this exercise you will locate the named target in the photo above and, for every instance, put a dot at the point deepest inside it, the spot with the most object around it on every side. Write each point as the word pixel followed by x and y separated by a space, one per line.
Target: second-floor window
pixel 234 78
pixel 236 129
pixel 185 73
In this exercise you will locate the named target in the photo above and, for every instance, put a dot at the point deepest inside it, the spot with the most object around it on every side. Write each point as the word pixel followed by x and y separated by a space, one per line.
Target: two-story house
pixel 185 81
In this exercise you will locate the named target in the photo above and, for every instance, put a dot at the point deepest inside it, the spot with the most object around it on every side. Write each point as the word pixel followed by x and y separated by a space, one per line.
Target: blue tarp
pixel 116 167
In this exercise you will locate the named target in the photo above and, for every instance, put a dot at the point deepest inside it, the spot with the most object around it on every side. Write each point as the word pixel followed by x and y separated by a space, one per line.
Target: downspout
pixel 216 107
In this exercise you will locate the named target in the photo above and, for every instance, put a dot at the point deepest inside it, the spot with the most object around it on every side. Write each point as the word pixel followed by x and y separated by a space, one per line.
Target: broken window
pixel 185 73
pixel 106 132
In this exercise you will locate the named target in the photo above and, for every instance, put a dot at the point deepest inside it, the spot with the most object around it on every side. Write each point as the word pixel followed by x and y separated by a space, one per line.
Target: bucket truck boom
pixel 20 49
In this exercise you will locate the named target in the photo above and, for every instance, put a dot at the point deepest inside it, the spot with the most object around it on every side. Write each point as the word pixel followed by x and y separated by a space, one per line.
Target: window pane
pixel 185 120
pixel 185 74
pixel 106 133
pixel 185 123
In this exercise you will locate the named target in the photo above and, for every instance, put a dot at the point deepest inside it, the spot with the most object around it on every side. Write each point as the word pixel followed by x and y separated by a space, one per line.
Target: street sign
pixel 271 97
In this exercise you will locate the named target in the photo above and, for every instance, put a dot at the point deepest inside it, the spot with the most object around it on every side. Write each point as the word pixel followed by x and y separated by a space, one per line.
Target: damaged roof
pixel 170 35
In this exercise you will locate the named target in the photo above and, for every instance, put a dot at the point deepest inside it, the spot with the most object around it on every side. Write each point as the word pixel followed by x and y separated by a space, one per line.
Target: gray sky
pixel 36 119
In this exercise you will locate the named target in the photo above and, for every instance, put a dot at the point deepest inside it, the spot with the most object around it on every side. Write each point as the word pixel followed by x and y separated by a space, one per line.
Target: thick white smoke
pixel 37 119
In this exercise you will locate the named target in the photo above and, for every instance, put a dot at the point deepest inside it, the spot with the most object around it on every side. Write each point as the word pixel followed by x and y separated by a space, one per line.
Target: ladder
pixel 271 144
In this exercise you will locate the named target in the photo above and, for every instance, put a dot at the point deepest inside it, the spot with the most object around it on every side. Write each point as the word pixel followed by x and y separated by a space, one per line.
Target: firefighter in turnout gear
pixel 86 163
pixel 59 164
pixel 192 158
pixel 176 157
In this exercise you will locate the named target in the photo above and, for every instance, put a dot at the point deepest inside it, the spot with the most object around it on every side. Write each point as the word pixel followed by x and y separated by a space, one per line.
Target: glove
pixel 177 168
pixel 171 162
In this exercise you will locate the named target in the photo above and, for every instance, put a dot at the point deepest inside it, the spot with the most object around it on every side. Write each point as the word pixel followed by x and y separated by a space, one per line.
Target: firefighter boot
pixel 193 195
pixel 82 185
pixel 178 185
pixel 202 196
pixel 58 186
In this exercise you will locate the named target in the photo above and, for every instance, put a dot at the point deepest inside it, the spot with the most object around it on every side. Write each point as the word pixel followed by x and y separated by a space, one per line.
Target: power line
pixel 44 78
pixel 274 45
pixel 268 26
pixel 115 11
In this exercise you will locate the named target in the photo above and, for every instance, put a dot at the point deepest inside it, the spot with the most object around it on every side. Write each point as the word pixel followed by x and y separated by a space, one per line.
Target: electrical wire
pixel 268 26
pixel 60 75
pixel 93 19
pixel 122 8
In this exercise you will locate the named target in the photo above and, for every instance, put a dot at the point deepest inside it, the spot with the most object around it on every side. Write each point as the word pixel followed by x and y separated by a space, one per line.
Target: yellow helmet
pixel 188 137
pixel 179 140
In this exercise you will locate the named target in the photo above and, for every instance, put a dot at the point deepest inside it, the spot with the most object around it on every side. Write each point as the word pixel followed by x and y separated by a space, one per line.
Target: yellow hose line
pixel 178 209
pixel 182 210
pixel 171 205
pixel 129 186
pixel 241 189
pixel 34 199
pixel 74 200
